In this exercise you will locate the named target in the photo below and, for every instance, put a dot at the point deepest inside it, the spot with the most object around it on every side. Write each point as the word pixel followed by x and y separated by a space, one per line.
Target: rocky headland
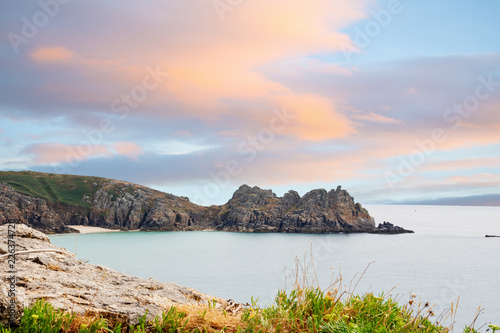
pixel 50 202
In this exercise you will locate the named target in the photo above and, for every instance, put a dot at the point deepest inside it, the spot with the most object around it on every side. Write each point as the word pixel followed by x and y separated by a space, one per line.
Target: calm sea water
pixel 448 257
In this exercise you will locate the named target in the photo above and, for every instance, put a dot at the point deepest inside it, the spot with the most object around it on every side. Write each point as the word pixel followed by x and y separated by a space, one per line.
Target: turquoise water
pixel 447 257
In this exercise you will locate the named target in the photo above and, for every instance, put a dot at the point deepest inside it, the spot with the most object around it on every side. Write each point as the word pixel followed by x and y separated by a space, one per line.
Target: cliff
pixel 50 202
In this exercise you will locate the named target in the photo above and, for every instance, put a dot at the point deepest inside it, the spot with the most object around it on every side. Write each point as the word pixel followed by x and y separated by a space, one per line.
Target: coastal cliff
pixel 50 202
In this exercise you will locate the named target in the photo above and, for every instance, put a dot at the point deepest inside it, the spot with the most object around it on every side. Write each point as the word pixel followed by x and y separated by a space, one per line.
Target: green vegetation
pixel 311 310
pixel 301 310
pixel 43 318
pixel 64 189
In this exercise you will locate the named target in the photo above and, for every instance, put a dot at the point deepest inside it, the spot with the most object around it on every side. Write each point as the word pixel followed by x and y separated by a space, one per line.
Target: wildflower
pixel 35 316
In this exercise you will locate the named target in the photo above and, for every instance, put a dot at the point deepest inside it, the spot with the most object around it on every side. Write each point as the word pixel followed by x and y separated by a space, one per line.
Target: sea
pixel 448 262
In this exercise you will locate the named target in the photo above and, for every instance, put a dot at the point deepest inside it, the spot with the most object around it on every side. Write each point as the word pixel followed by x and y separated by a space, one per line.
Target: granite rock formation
pixel 318 211
pixel 120 205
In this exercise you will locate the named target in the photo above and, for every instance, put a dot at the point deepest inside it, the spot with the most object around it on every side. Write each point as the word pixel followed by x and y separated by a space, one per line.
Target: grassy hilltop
pixel 55 188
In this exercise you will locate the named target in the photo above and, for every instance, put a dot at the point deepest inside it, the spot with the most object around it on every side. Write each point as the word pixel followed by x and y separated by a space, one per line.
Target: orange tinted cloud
pixel 212 62
pixel 315 118
pixel 254 34
pixel 52 54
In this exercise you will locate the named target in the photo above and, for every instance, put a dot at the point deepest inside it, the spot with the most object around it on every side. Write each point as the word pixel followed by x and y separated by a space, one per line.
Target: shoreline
pixel 385 228
pixel 83 229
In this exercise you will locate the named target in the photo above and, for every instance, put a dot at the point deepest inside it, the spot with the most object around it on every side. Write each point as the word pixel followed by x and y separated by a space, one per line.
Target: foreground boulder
pixel 69 284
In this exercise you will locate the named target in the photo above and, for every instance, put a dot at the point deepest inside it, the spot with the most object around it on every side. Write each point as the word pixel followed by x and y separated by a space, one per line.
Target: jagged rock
pixel 389 228
pixel 70 284
pixel 318 211
pixel 120 205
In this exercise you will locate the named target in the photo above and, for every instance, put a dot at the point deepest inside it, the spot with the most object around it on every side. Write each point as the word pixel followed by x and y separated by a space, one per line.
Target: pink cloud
pixel 412 91
pixel 53 153
pixel 129 149
pixel 251 36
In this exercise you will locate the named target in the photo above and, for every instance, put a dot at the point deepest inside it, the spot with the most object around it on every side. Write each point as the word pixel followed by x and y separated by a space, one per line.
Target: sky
pixel 396 101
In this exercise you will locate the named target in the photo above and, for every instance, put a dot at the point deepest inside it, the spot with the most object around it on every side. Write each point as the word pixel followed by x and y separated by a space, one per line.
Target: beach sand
pixel 91 230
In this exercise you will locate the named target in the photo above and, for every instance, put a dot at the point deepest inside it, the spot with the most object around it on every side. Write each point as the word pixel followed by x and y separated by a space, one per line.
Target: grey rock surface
pixel 318 211
pixel 70 284
pixel 33 211
pixel 389 228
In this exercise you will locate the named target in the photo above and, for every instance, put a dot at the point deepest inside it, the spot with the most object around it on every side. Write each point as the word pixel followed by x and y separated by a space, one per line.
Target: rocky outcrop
pixel 256 210
pixel 119 205
pixel 389 228
pixel 70 284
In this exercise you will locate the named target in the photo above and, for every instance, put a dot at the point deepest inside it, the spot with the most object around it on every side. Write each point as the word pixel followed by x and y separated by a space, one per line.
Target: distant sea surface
pixel 448 257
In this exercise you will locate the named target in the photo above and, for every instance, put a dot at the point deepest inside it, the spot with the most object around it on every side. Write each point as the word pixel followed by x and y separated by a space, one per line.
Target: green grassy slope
pixel 65 189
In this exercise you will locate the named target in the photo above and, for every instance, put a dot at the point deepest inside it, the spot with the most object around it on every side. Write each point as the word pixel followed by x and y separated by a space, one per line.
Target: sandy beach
pixel 91 230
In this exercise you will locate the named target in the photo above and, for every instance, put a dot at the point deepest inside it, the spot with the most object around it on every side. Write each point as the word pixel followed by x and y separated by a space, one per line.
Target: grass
pixel 58 189
pixel 301 310
pixel 311 310
pixel 41 317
